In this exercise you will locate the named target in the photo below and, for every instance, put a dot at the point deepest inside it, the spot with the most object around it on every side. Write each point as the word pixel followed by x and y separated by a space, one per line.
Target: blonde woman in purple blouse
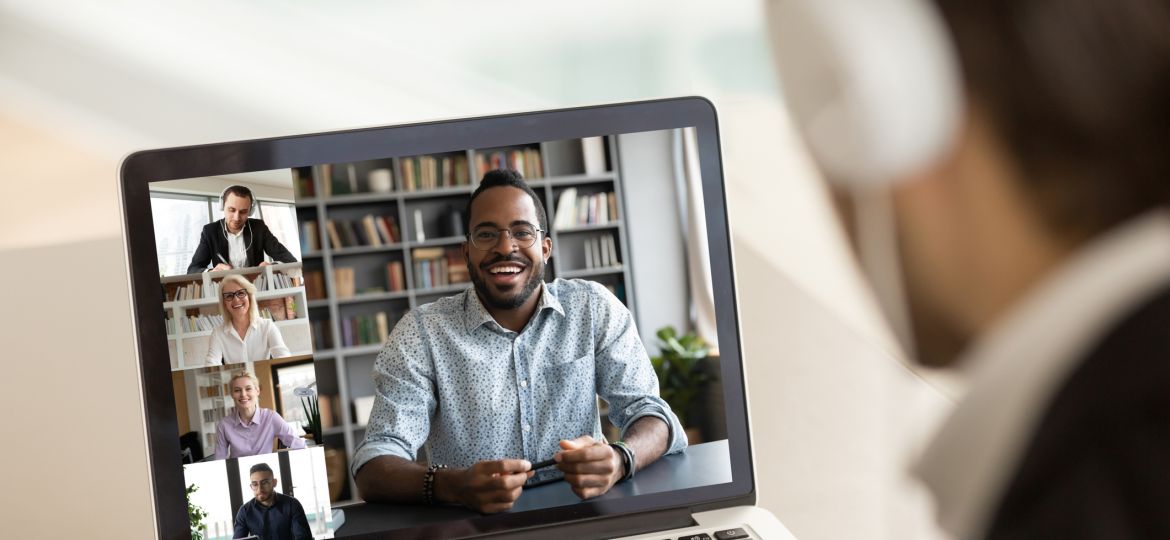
pixel 248 430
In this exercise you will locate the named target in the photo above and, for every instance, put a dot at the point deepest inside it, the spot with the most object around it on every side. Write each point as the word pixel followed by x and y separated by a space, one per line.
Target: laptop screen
pixel 346 328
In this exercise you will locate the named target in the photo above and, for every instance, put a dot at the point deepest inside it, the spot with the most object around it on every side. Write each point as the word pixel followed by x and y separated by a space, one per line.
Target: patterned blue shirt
pixel 452 378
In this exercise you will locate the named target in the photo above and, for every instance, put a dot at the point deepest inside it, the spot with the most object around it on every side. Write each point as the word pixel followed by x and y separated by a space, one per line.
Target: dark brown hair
pixel 1079 92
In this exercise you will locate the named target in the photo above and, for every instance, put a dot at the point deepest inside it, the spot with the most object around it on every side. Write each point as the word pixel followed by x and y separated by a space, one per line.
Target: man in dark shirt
pixel 271 515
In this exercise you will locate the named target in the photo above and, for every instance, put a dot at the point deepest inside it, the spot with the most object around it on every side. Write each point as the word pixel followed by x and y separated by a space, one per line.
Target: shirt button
pixel 527 428
pixel 523 384
pixel 629 411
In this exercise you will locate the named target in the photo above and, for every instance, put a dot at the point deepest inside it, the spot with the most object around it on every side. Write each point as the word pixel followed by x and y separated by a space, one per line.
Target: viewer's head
pixel 1061 135
pixel 507 243
pixel 237 299
pixel 237 204
pixel 245 390
pixel 263 483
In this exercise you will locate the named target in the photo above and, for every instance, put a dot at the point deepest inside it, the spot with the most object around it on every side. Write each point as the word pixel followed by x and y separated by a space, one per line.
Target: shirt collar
pixel 240 421
pixel 476 315
pixel 1017 367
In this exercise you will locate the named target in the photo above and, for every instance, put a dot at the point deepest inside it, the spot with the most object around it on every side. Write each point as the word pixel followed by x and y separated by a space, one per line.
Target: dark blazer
pixel 213 245
pixel 1098 464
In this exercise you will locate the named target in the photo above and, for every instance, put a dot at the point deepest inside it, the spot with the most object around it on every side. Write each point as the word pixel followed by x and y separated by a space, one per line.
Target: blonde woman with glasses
pixel 244 334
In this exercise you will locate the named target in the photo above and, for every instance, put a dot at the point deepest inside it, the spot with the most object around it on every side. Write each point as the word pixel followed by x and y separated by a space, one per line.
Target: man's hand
pixel 264 263
pixel 221 266
pixel 591 467
pixel 487 486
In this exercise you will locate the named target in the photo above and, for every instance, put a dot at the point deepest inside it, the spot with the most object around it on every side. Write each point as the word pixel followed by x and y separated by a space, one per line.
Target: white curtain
pixel 689 187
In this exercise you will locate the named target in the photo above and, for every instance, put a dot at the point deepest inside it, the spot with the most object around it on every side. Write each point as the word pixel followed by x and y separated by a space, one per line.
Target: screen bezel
pixel 140 169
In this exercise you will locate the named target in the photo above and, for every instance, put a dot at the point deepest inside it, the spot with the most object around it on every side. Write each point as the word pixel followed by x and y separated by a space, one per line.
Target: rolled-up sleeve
pixel 625 379
pixel 404 396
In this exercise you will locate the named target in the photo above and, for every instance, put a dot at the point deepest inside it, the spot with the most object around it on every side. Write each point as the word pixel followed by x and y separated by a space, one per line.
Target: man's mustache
pixel 511 257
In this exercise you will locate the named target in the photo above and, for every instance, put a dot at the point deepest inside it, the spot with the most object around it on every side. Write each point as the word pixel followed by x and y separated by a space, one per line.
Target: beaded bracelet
pixel 628 460
pixel 429 483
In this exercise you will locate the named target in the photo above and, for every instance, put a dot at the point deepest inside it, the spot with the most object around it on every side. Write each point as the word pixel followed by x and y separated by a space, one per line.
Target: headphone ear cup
pixel 873 86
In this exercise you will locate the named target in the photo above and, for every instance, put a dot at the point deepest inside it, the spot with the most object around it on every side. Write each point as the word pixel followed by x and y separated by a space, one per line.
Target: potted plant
pixel 312 410
pixel 195 514
pixel 681 377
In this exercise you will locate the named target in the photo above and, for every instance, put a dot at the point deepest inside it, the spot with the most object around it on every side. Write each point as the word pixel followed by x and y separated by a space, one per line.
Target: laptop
pixel 268 277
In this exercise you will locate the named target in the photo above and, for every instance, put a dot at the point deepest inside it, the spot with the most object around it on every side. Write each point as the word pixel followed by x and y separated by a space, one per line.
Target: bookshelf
pixel 374 251
pixel 192 310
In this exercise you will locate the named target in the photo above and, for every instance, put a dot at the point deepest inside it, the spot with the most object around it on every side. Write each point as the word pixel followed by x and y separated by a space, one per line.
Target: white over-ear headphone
pixel 873 85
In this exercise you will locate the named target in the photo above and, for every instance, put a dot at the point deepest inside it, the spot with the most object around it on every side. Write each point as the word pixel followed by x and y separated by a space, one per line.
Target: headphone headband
pixel 872 85
pixel 239 191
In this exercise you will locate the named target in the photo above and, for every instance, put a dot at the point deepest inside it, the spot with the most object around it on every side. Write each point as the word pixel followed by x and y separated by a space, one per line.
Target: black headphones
pixel 239 191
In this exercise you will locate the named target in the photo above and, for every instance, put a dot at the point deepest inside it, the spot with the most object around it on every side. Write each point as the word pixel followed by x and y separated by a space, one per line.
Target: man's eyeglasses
pixel 265 482
pixel 238 294
pixel 485 238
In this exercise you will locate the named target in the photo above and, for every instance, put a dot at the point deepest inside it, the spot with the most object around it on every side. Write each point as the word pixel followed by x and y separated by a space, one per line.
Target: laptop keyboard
pixel 738 533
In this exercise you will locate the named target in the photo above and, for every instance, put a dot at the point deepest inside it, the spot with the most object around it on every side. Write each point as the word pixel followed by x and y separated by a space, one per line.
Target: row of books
pixel 321 335
pixel 365 329
pixel 216 390
pixel 370 230
pixel 195 291
pixel 278 281
pixel 438 267
pixel 278 309
pixel 303 181
pixel 193 323
pixel 601 252
pixel 593 209
pixel 432 172
pixel 213 416
pixel 526 161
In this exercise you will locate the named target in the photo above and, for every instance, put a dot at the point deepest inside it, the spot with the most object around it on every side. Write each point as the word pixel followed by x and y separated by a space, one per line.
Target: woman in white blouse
pixel 244 335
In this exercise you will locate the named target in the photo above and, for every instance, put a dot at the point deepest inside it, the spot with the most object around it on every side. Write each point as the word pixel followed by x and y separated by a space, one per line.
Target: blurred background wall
pixel 83 84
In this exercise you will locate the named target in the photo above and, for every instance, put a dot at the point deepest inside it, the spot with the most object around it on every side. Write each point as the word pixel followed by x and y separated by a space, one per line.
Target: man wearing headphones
pixel 237 241
pixel 1004 166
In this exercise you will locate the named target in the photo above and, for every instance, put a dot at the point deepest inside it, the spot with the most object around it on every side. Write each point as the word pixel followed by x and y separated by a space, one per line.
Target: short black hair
pixel 505 178
pixel 260 467
pixel 239 191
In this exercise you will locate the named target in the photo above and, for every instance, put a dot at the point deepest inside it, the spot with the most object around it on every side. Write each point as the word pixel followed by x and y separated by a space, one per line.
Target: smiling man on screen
pixel 508 373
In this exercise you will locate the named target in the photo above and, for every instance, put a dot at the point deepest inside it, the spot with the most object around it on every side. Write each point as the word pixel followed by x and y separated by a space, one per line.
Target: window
pixel 281 219
pixel 178 221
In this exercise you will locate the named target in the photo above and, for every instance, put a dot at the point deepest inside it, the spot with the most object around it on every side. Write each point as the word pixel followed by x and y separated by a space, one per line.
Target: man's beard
pixel 535 278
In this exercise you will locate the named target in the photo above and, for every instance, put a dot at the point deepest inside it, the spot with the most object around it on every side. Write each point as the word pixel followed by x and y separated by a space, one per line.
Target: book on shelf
pixel 343 282
pixel 310 237
pixel 395 276
pixel 321 334
pixel 593 154
pixel 303 180
pixel 526 161
pixel 420 234
pixel 314 284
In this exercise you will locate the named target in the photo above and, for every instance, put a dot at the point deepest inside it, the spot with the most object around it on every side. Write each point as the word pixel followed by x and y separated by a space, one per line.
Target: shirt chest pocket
pixel 567 375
